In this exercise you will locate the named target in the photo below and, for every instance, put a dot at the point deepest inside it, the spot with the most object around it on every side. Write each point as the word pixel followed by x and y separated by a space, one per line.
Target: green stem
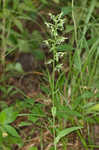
pixel 54 132
pixel 82 140
pixel 3 51
pixel 75 26
pixel 53 94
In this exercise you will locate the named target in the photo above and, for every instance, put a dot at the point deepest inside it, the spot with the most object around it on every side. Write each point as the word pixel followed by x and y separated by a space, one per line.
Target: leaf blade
pixel 65 132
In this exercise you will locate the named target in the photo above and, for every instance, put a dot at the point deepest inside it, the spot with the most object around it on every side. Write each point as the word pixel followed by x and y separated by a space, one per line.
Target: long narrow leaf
pixel 65 132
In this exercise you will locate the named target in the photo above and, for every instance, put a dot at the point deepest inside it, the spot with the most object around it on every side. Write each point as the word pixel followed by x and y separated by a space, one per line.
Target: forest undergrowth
pixel 49 75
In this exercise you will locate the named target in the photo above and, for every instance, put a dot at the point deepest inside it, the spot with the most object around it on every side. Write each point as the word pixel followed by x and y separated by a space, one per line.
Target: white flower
pixel 4 134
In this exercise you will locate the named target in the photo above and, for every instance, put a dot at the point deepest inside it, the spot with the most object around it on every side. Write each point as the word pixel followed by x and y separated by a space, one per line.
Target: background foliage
pixel 69 87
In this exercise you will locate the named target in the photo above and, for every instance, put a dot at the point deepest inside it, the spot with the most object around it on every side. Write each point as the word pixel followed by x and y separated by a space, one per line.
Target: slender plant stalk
pixel 91 9
pixel 53 42
pixel 82 140
pixel 53 82
pixel 54 131
pixel 3 51
pixel 75 26
pixel 53 97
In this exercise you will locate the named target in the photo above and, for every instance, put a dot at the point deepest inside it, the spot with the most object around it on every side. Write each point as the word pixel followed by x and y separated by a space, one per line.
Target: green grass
pixel 72 83
pixel 74 105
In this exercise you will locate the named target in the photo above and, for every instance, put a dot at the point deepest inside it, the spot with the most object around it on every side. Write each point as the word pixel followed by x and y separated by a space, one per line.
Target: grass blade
pixel 65 132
